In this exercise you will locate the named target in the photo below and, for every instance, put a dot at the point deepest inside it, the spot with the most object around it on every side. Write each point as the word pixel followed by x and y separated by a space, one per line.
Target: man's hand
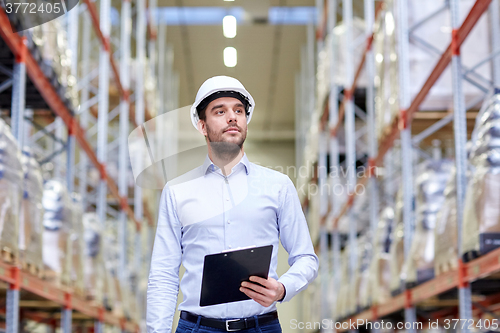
pixel 265 296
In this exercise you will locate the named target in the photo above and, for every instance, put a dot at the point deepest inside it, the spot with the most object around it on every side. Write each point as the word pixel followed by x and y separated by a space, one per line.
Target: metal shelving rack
pixel 400 128
pixel 77 124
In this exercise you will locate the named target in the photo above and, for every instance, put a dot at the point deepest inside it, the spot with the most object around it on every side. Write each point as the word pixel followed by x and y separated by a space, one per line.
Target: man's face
pixel 225 121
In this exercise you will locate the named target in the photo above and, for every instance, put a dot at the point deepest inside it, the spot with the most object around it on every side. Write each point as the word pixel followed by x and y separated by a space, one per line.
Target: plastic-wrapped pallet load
pixel 11 185
pixel 111 259
pixel 396 252
pixel 31 216
pixel 481 227
pixel 428 36
pixel 446 232
pixel 431 182
pixel 359 212
pixel 343 300
pixel 54 56
pixel 58 226
pixel 77 246
pixel 126 299
pixel 313 210
pixel 128 291
pixel 386 76
pixel 119 306
pixel 362 284
pixel 380 270
pixel 93 261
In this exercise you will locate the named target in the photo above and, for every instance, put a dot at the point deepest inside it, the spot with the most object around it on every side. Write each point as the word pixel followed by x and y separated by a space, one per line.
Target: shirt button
pixel 227 199
pixel 229 246
pixel 228 222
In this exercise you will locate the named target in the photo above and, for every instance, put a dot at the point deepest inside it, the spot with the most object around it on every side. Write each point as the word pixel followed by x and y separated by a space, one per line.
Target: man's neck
pixel 225 163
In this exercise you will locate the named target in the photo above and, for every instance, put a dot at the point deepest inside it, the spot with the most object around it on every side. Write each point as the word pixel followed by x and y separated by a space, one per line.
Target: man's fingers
pixel 256 288
pixel 260 280
pixel 254 295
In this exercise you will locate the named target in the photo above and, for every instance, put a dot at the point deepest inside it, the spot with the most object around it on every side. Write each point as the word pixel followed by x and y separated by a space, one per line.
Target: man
pixel 226 203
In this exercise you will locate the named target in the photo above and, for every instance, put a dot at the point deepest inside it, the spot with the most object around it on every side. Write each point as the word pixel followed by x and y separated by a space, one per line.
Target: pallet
pixel 94 302
pixel 79 292
pixel 446 266
pixel 9 257
pixel 54 278
pixel 33 269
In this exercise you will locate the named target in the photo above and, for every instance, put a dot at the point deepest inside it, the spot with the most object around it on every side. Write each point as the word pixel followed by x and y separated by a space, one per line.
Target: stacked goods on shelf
pixel 339 47
pixel 314 196
pixel 362 276
pixel 31 216
pixel 126 299
pixel 446 232
pixel 111 260
pixel 77 246
pixel 49 46
pixel 396 252
pixel 430 182
pixel 481 227
pixel 11 190
pixel 58 227
pixel 386 71
pixel 150 90
pixel 380 270
pixel 150 87
pixel 427 41
pixel 344 307
pixel 359 210
pixel 129 289
pixel 93 260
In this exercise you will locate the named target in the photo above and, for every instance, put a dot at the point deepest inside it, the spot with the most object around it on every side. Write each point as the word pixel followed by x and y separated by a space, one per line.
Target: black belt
pixel 230 324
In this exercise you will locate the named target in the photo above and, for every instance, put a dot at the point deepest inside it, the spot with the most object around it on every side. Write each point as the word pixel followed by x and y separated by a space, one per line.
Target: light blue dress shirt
pixel 204 212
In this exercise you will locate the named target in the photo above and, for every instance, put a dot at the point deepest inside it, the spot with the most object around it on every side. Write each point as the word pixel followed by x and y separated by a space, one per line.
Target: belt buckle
pixel 227 325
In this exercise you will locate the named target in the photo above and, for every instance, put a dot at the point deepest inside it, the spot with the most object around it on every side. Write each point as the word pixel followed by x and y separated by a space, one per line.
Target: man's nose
pixel 231 116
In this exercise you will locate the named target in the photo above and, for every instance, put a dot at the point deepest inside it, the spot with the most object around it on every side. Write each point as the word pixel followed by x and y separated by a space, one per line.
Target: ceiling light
pixel 229 26
pixel 230 57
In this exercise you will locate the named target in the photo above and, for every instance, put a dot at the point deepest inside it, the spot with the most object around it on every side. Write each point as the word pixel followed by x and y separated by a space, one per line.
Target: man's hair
pixel 202 114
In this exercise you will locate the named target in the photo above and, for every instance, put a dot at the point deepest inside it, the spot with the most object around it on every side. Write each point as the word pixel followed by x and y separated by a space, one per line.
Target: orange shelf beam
pixel 481 267
pixel 58 294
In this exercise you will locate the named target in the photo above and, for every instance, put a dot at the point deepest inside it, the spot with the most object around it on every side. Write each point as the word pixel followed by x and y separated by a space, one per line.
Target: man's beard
pixel 224 150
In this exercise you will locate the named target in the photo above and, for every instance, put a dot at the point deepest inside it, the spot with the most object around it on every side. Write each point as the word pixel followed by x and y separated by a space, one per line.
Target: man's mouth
pixel 233 129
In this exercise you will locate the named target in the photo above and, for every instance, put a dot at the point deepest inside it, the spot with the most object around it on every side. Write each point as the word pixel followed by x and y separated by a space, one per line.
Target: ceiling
pixel 268 59
pixel 259 58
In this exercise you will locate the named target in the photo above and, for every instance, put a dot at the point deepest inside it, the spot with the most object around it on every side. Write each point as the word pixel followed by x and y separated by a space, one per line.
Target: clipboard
pixel 223 273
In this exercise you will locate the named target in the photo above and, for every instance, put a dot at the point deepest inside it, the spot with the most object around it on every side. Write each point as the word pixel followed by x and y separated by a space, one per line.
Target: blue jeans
pixel 185 326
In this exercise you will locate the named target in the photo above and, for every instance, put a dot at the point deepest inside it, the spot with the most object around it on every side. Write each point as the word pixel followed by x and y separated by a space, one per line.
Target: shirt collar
pixel 209 164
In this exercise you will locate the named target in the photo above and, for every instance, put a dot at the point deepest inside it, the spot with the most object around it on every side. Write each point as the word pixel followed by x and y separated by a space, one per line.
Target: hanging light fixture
pixel 229 26
pixel 230 56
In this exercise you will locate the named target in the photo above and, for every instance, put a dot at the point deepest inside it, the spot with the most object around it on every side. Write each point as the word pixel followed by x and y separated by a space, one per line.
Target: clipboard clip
pixel 239 248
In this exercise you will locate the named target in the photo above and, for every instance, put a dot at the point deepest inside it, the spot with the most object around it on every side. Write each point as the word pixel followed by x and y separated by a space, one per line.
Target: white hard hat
pixel 216 84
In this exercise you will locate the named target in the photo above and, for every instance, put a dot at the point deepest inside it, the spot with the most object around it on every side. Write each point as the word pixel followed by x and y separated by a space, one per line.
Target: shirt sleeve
pixel 296 240
pixel 163 282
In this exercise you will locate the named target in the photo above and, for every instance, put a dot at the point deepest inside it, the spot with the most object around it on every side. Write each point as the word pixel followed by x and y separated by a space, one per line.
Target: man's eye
pixel 220 111
pixel 240 111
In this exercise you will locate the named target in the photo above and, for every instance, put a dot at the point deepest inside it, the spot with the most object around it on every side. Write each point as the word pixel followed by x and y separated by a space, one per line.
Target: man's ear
pixel 202 128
